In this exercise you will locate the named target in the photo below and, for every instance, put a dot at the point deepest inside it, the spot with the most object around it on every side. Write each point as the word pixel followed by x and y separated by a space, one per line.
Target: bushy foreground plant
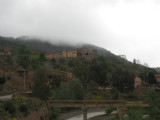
pixel 9 106
pixel 109 110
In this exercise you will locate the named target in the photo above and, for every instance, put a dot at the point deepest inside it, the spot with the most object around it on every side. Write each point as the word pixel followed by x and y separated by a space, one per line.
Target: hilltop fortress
pixel 80 52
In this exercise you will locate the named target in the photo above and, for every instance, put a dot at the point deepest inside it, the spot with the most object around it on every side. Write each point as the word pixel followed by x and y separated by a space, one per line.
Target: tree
pixel 151 78
pixel 61 60
pixel 153 100
pixel 56 81
pixel 115 94
pixel 136 113
pixel 136 61
pixel 42 57
pixel 72 90
pixel 41 88
pixel 34 61
pixel 123 79
pixel 23 57
pixel 98 72
pixel 81 71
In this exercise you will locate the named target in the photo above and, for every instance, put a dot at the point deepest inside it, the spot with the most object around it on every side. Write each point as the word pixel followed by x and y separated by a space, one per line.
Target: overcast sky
pixel 129 27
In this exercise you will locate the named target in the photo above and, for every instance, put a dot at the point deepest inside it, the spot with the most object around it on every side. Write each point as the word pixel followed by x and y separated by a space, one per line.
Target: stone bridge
pixel 121 105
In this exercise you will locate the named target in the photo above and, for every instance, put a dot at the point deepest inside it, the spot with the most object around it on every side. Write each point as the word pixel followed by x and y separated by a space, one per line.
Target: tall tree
pixel 98 72
pixel 56 81
pixel 42 56
pixel 151 78
pixel 41 88
pixel 123 79
pixel 23 57
pixel 81 70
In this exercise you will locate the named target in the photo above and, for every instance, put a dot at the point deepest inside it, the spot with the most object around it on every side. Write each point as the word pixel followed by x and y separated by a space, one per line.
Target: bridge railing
pixel 85 103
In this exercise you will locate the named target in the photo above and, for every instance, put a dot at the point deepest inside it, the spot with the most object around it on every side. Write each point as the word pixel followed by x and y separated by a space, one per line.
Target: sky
pixel 124 27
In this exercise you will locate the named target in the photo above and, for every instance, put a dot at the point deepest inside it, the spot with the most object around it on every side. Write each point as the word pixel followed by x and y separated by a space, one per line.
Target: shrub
pixel 115 94
pixel 23 108
pixel 8 106
pixel 109 110
pixel 55 112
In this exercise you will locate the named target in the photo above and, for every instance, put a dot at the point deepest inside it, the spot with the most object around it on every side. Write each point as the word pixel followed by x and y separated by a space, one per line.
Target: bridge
pixel 121 105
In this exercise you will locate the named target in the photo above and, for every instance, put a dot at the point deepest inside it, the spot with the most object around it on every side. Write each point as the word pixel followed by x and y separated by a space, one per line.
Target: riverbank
pixel 70 114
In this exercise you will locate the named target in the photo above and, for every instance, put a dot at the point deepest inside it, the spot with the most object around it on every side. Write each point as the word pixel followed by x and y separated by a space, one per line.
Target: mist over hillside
pixel 51 48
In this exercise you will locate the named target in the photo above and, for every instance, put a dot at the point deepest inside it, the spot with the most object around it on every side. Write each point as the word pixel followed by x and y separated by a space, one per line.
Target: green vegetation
pixel 55 81
pixel 89 76
pixel 135 114
pixel 153 101
pixel 115 94
pixel 104 72
pixel 8 106
pixel 138 113
pixel 17 106
pixel 23 108
pixel 109 110
pixel 72 90
pixel 55 112
pixel 23 56
pixel 41 88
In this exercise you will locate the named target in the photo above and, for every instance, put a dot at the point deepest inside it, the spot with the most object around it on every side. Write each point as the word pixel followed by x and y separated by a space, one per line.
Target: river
pixel 89 115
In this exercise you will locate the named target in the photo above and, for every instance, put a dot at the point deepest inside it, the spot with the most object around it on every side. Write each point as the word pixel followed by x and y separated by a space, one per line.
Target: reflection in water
pixel 89 115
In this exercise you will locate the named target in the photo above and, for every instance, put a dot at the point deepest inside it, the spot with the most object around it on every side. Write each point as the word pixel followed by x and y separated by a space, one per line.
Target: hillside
pixel 157 69
pixel 110 62
pixel 38 44
pixel 9 68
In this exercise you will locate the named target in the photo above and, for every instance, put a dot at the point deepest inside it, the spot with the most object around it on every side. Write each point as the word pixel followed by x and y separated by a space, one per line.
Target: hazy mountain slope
pixel 7 42
pixel 157 69
pixel 37 44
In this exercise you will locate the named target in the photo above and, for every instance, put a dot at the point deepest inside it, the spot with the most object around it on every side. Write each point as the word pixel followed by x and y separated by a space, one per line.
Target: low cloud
pixel 121 26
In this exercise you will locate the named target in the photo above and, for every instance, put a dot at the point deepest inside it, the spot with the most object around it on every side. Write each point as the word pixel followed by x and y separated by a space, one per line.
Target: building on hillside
pixel 29 76
pixel 64 54
pixel 137 82
pixel 72 54
pixel 85 53
pixel 66 76
pixel 89 53
pixel 80 52
pixel 51 56
pixel 157 77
